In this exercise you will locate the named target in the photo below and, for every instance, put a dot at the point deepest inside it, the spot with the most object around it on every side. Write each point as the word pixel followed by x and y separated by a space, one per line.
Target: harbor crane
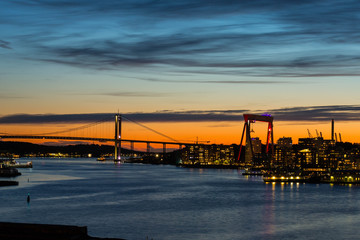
pixel 249 119
pixel 310 136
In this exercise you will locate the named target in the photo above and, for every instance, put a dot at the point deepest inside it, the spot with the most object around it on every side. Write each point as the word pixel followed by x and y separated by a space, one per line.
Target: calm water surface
pixel 135 201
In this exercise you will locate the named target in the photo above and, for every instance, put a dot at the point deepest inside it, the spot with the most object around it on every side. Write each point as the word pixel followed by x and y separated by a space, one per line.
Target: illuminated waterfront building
pixel 316 153
pixel 284 154
pixel 285 142
pixel 252 157
pixel 208 154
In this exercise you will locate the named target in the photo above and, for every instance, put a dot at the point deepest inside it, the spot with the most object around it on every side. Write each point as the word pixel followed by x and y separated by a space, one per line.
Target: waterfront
pixel 133 201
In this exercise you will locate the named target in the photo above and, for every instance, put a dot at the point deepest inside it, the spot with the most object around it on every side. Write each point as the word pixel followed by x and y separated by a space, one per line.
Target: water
pixel 135 201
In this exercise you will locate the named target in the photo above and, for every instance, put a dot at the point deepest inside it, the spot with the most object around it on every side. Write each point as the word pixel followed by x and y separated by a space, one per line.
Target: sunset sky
pixel 185 68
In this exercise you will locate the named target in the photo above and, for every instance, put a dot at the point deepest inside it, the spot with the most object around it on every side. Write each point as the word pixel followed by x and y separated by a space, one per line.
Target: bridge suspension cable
pixel 148 128
pixel 77 128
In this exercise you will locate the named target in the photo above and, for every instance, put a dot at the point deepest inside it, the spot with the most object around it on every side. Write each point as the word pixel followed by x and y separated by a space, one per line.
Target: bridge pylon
pixel 117 140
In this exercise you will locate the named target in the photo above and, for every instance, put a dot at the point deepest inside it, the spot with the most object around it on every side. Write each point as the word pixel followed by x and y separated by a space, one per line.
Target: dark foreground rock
pixel 8 172
pixel 8 183
pixel 27 231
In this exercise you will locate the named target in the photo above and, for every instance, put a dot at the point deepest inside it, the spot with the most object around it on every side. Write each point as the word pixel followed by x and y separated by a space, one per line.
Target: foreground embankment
pixel 27 231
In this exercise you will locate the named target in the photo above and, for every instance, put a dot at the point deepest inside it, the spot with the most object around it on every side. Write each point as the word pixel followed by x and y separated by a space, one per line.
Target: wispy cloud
pixel 5 44
pixel 291 114
pixel 55 118
pixel 12 96
pixel 173 50
pixel 318 113
pixel 218 81
pixel 128 94
pixel 62 142
pixel 249 38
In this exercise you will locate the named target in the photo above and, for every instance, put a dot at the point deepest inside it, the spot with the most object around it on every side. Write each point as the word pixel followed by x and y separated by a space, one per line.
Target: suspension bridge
pixel 117 139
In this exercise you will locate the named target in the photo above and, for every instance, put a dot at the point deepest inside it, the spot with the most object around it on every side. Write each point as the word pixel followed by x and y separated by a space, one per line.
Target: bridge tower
pixel 117 139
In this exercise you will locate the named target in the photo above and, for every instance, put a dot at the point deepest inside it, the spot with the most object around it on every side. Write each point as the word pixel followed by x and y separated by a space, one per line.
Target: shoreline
pixel 209 166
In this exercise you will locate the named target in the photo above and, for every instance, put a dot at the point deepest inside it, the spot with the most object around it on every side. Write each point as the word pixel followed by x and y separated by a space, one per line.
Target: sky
pixel 189 69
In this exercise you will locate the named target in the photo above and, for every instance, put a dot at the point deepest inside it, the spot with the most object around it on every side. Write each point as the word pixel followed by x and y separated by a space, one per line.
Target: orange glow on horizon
pixel 214 132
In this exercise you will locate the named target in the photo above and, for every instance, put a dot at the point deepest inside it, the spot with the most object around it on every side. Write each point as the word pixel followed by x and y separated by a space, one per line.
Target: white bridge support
pixel 117 139
pixel 164 148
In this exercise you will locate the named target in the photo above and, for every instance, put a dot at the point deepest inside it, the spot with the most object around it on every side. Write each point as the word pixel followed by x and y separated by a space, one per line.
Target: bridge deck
pixel 94 139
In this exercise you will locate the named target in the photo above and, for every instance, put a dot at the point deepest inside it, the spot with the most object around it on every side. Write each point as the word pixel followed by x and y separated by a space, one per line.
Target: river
pixel 136 201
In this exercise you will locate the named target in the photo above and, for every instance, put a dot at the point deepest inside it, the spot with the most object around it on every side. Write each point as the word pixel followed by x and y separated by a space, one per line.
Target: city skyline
pixel 189 68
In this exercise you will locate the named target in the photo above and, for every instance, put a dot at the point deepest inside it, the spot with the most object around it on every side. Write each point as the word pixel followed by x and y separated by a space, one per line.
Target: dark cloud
pixel 221 125
pixel 294 114
pixel 113 56
pixel 63 142
pixel 55 118
pixel 195 9
pixel 5 44
pixel 318 113
pixel 129 94
pixel 217 82
pixel 250 38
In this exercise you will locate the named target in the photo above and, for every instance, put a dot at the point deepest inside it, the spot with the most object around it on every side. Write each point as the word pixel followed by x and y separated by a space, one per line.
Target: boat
pixel 294 176
pixel 253 172
pixel 11 163
pixel 278 178
pixel 22 165
pixel 104 158
pixel 6 171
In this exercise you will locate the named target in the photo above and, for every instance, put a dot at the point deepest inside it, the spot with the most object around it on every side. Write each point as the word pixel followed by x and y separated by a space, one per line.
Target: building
pixel 285 142
pixel 253 156
pixel 284 154
pixel 208 154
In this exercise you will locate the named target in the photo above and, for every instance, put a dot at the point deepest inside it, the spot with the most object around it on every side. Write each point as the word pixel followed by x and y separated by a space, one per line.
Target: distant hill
pixel 24 148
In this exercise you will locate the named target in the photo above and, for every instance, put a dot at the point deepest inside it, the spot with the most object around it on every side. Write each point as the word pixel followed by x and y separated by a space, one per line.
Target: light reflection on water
pixel 90 195
pixel 133 201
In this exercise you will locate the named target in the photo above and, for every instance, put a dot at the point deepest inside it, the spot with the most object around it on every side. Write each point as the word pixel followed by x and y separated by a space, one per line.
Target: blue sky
pixel 183 58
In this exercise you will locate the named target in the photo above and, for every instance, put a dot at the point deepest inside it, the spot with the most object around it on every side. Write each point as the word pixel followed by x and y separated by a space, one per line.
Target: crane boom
pixel 310 136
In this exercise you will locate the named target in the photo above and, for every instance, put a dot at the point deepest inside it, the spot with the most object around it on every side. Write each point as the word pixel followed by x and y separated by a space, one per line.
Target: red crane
pixel 251 118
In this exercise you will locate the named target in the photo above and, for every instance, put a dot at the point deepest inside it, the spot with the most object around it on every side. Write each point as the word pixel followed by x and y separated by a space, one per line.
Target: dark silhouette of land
pixel 24 149
pixel 27 231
